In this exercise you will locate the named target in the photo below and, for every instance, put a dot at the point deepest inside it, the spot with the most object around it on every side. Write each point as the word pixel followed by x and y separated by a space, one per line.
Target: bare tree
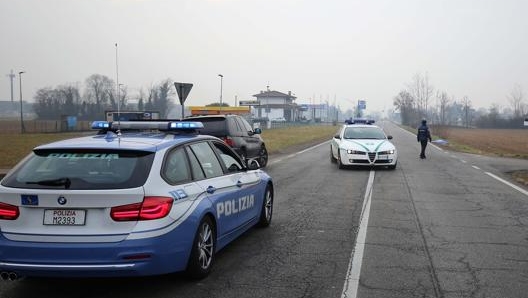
pixel 467 109
pixel 404 102
pixel 443 102
pixel 422 91
pixel 516 101
pixel 99 90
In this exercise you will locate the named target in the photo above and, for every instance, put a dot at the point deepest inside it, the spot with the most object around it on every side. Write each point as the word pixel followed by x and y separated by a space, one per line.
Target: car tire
pixel 263 157
pixel 243 154
pixel 332 158
pixel 203 250
pixel 266 213
pixel 392 167
pixel 340 165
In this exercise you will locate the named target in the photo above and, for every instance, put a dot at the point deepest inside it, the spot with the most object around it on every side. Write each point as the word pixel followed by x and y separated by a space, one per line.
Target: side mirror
pixel 252 164
pixel 389 137
pixel 337 137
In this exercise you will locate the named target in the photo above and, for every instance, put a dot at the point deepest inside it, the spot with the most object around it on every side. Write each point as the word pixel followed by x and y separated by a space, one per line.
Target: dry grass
pixel 13 147
pixel 281 138
pixel 497 142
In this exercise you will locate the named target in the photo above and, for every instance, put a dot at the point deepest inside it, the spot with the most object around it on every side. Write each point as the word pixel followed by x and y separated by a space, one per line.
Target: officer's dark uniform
pixel 423 136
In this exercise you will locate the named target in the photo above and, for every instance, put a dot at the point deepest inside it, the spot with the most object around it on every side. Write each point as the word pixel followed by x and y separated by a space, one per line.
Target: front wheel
pixel 392 167
pixel 203 250
pixel 340 165
pixel 267 208
pixel 332 158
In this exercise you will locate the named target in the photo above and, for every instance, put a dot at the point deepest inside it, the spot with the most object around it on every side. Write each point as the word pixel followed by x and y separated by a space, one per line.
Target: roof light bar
pixel 100 125
pixel 179 125
pixel 148 125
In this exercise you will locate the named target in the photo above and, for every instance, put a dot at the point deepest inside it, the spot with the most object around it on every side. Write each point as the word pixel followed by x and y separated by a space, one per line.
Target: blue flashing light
pixel 179 125
pixel 359 121
pixel 100 125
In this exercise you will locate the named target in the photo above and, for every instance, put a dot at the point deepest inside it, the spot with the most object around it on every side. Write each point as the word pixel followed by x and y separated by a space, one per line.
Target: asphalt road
pixel 440 227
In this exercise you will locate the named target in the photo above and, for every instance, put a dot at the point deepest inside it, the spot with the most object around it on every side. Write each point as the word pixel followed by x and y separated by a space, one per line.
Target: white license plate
pixel 64 217
pixel 383 157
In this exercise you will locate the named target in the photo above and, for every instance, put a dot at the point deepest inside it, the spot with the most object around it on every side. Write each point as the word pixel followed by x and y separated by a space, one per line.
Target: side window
pixel 231 163
pixel 207 159
pixel 247 126
pixel 176 168
pixel 197 171
pixel 235 126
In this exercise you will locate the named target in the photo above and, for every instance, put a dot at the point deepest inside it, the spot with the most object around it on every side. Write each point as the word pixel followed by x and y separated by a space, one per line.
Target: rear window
pixel 82 169
pixel 213 126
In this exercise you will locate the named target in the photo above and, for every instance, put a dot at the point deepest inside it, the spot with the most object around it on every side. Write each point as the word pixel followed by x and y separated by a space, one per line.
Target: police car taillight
pixel 9 212
pixel 151 208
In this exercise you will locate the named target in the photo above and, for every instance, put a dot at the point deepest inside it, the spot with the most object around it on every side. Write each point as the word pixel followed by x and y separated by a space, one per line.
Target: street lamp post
pixel 221 83
pixel 22 128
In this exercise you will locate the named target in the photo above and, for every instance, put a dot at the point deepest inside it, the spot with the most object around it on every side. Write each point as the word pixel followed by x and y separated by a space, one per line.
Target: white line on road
pixel 351 285
pixel 508 183
pixel 297 153
pixel 475 167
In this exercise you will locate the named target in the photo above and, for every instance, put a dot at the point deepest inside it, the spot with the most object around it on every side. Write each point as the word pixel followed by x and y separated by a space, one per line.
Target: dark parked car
pixel 237 133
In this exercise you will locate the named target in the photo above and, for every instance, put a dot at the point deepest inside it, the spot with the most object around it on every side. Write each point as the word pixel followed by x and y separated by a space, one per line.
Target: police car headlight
pixel 355 152
pixel 387 152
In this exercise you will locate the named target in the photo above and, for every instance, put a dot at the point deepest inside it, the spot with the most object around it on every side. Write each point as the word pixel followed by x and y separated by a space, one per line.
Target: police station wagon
pixel 139 198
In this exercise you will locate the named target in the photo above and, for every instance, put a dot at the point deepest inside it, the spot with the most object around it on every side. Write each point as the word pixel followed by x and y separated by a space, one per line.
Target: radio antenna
pixel 118 93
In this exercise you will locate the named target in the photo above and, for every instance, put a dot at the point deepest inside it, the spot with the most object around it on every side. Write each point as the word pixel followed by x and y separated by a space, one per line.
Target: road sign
pixel 362 104
pixel 183 90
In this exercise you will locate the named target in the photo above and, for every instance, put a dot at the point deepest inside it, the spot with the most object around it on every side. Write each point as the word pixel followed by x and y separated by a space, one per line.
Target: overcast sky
pixel 318 49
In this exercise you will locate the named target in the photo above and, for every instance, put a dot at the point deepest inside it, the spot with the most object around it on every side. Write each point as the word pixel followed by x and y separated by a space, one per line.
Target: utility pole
pixel 12 77
pixel 22 127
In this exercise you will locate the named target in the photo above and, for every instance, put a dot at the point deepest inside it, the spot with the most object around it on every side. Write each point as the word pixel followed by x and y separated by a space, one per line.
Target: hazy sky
pixel 322 49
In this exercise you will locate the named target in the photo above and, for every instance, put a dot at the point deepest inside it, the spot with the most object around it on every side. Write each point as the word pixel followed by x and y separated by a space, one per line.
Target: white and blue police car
pixel 139 198
pixel 360 143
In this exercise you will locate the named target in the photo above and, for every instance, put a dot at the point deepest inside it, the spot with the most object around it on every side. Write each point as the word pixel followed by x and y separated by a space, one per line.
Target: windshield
pixel 364 133
pixel 82 169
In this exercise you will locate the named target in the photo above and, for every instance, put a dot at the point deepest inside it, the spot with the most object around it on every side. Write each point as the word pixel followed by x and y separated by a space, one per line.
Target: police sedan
pixel 138 198
pixel 362 145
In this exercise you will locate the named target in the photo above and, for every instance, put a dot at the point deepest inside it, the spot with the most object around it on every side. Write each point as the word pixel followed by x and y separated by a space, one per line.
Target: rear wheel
pixel 203 250
pixel 267 208
pixel 263 157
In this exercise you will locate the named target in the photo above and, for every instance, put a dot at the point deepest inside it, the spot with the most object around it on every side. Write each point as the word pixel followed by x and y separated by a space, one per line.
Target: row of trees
pixel 100 94
pixel 420 100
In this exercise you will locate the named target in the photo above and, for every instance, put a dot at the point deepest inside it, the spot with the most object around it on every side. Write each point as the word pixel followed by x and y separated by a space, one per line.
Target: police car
pixel 362 144
pixel 139 198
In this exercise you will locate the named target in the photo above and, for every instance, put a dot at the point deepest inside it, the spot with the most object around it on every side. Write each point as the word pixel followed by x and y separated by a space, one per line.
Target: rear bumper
pixel 152 256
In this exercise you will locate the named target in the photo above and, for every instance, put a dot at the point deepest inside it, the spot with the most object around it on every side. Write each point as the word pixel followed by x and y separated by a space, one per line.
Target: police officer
pixel 423 136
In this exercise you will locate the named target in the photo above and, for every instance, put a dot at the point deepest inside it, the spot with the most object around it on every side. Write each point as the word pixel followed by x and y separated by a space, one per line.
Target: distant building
pixel 275 105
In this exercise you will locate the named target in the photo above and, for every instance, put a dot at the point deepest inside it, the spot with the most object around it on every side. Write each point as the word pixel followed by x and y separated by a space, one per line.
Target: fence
pixel 42 126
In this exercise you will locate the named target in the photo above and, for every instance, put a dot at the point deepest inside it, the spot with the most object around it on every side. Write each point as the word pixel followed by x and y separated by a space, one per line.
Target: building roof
pixel 273 93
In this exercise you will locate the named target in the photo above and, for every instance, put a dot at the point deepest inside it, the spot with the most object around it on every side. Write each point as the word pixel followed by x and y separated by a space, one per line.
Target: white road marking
pixel 508 183
pixel 475 167
pixel 297 153
pixel 351 285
